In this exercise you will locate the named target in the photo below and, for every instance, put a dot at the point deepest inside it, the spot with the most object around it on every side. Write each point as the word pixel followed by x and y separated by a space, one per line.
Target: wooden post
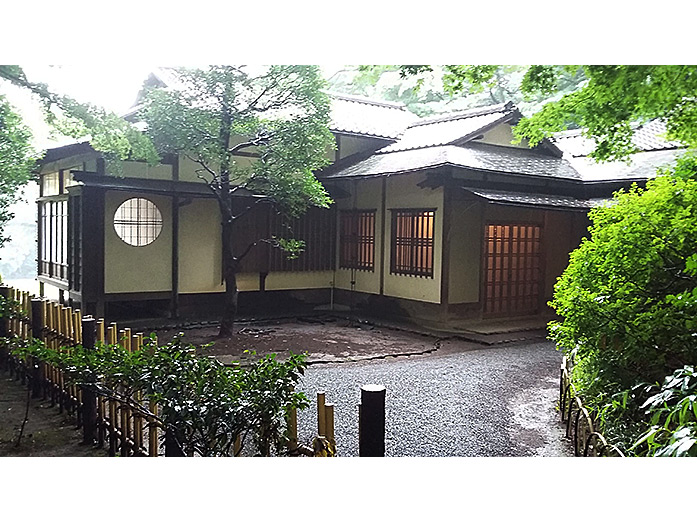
pixel 5 323
pixel 321 414
pixel 89 398
pixel 329 425
pixel 237 446
pixel 153 444
pixel 37 327
pixel 371 421
pixel 293 430
pixel 4 332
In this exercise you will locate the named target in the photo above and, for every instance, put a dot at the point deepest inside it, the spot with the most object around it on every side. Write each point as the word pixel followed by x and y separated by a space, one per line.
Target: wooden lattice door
pixel 512 277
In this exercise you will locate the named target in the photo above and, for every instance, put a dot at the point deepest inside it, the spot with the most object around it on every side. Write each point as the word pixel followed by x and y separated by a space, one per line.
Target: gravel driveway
pixel 493 401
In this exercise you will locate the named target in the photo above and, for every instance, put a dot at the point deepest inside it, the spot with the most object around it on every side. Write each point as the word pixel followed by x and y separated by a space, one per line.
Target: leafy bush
pixel 673 408
pixel 204 405
pixel 628 298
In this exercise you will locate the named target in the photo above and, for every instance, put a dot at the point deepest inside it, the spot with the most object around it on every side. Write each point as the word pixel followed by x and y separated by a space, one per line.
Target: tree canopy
pixel 277 115
pixel 16 160
pixel 612 100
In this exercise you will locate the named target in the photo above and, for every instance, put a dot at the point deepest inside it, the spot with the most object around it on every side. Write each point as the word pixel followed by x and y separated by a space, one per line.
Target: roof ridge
pixel 469 113
pixel 366 100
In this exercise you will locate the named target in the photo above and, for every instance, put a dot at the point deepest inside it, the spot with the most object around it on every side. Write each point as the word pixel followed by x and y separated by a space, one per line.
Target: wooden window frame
pixel 357 239
pixel 53 259
pixel 413 254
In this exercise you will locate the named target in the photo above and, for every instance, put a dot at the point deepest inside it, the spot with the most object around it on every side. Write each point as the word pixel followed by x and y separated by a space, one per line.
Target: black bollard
pixel 371 421
pixel 89 398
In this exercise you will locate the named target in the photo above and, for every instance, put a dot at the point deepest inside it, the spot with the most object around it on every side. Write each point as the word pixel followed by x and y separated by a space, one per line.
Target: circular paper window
pixel 138 221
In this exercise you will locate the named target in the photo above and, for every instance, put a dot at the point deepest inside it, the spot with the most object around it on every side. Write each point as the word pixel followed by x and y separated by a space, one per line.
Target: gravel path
pixel 493 401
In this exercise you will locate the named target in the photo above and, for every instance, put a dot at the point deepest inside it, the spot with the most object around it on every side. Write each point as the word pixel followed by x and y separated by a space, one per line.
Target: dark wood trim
pixel 63 285
pixel 383 237
pixel 61 181
pixel 93 232
pixel 337 156
pixel 175 256
pixel 176 204
pixel 445 254
pixel 39 237
pixel 101 166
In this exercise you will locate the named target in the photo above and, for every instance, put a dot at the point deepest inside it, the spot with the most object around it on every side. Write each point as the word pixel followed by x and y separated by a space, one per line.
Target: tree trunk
pixel 230 276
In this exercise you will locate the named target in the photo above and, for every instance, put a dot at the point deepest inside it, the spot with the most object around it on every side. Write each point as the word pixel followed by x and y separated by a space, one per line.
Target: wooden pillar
pixel 37 327
pixel 89 398
pixel 371 421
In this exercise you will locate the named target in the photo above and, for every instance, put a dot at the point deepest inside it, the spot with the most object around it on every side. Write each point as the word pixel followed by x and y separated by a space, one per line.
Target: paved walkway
pixel 490 401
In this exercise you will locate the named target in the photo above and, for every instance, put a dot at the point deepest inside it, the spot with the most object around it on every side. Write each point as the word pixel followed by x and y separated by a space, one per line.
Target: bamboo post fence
pixel 127 424
pixel 130 431
pixel 580 426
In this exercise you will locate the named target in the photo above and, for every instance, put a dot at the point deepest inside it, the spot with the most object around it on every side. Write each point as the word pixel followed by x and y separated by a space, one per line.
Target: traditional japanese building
pixel 435 220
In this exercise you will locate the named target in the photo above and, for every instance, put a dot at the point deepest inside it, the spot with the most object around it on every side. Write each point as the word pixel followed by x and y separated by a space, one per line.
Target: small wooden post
pixel 293 430
pixel 4 331
pixel 89 398
pixel 321 414
pixel 153 444
pixel 371 421
pixel 329 425
pixel 37 327
pixel 237 446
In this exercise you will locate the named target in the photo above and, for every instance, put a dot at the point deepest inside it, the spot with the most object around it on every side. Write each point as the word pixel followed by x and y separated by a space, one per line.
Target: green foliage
pixel 673 410
pixel 16 161
pixel 628 298
pixel 204 404
pixel 279 112
pixel 107 132
pixel 614 98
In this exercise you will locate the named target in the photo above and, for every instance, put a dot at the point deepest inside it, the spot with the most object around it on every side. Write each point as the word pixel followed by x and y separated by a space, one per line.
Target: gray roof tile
pixel 474 156
pixel 537 200
pixel 358 115
pixel 444 130
pixel 647 137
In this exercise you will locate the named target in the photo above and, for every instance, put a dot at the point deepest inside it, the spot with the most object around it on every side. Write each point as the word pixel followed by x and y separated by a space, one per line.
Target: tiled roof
pixel 358 115
pixel 444 130
pixel 647 137
pixel 537 200
pixel 641 165
pixel 474 156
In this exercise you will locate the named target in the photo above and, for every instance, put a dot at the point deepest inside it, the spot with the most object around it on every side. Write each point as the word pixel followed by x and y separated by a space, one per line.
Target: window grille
pixel 357 243
pixel 53 261
pixel 138 222
pixel 412 242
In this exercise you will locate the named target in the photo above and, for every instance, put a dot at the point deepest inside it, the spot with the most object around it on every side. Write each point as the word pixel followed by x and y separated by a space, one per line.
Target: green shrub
pixel 628 298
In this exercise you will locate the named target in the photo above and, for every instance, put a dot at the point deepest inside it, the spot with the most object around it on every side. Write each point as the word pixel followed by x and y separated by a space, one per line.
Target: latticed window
pixel 53 256
pixel 138 222
pixel 357 244
pixel 412 242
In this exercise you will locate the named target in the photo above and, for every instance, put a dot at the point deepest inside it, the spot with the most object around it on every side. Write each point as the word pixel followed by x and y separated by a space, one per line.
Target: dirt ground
pixel 326 340
pixel 47 432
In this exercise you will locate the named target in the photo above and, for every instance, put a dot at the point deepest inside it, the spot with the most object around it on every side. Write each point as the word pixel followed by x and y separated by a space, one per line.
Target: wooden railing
pixel 580 426
pixel 128 425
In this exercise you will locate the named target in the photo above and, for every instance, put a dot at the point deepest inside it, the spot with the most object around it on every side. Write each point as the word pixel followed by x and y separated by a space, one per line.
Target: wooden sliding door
pixel 512 269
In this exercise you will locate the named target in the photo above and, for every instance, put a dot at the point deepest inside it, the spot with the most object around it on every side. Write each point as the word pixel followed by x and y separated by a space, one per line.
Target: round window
pixel 138 221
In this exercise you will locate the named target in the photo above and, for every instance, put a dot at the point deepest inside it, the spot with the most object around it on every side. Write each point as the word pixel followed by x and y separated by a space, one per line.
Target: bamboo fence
pixel 128 426
pixel 580 426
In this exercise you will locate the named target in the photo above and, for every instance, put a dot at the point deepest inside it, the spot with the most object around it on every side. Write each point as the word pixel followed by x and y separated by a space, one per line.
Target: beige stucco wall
pixel 200 264
pixel 465 240
pixel 354 144
pixel 143 170
pixel 128 268
pixel 367 195
pixel 403 193
pixel 502 134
